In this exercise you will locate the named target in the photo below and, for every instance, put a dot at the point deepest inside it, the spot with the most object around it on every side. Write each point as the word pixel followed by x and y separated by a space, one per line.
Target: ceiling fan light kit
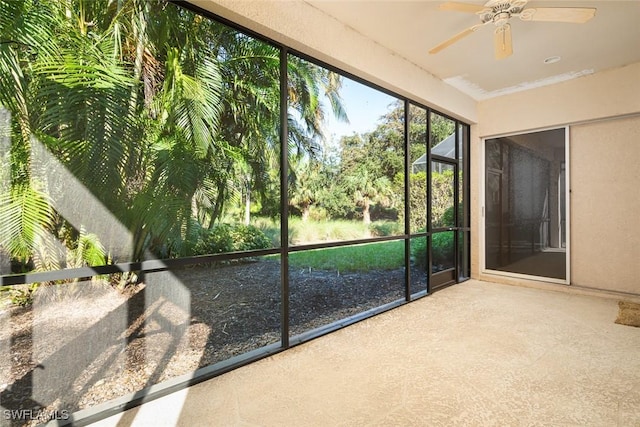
pixel 499 12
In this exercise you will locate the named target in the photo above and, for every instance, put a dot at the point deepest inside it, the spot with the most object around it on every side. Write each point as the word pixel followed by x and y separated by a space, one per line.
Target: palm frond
pixel 191 105
pixel 25 213
pixel 86 110
pixel 88 251
pixel 48 252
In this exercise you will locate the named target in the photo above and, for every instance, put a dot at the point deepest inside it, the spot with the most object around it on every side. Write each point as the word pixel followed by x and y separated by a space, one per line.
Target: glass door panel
pixel 443 259
pixel 419 161
pixel 442 195
pixel 444 185
pixel 525 204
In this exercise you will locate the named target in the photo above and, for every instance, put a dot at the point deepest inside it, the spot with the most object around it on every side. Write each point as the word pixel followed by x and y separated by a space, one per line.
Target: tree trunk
pixel 247 206
pixel 366 215
pixel 216 210
pixel 306 210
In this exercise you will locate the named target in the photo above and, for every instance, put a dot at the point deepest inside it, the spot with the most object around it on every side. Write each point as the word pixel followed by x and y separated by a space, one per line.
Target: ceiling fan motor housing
pixel 500 11
pixel 501 18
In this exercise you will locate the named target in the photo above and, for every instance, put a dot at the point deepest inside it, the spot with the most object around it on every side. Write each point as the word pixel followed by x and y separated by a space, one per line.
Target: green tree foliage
pixel 371 162
pixel 370 169
pixel 163 116
pixel 386 142
pixel 417 200
pixel 441 128
pixel 442 198
pixel 417 132
pixel 308 187
pixel 365 188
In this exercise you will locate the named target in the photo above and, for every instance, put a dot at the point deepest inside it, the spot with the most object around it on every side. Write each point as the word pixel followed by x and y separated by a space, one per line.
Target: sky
pixel 364 107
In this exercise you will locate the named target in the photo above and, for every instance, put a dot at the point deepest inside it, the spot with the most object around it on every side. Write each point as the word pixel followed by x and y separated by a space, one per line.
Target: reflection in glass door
pixel 525 204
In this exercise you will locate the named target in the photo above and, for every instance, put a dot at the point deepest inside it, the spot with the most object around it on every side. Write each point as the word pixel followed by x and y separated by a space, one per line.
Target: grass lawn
pixel 371 256
pixel 378 256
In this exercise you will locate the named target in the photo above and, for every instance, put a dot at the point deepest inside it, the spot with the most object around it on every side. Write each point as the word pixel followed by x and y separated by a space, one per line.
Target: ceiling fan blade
pixel 461 7
pixel 503 42
pixel 455 38
pixel 577 15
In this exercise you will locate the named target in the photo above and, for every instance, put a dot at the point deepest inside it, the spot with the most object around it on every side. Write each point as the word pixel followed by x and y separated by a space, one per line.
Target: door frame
pixel 450 275
pixel 482 199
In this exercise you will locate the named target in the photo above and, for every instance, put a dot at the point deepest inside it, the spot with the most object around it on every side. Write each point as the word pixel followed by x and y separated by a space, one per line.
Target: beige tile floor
pixel 475 354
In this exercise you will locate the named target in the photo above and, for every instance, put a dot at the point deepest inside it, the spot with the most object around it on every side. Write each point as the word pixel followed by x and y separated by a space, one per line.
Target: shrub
pixel 442 245
pixel 441 196
pixel 317 213
pixel 417 201
pixel 270 227
pixel 248 237
pixel 419 252
pixel 230 238
pixel 214 241
pixel 380 212
pixel 20 295
pixel 447 217
pixel 442 250
pixel 385 228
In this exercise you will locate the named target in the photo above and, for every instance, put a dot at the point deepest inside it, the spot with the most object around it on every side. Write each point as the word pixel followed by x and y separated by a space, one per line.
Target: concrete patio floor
pixel 477 353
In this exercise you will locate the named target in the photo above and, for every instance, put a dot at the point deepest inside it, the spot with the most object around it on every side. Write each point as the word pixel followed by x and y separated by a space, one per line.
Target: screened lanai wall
pixel 179 209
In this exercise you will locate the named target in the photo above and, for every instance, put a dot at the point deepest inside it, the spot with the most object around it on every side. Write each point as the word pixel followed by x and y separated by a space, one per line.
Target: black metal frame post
pixel 407 204
pixel 456 198
pixel 429 204
pixel 284 199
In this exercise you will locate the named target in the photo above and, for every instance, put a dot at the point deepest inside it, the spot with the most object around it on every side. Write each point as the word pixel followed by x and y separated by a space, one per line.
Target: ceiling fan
pixel 499 12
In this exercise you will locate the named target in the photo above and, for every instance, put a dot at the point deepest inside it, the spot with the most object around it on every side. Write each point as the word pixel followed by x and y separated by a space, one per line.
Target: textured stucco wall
pixel 304 28
pixel 605 204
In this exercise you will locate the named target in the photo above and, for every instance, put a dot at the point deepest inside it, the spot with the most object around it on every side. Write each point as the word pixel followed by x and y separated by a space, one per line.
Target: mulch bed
pixel 83 344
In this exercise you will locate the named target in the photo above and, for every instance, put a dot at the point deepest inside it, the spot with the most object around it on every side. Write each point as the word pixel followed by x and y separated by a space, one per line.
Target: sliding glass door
pixel 525 205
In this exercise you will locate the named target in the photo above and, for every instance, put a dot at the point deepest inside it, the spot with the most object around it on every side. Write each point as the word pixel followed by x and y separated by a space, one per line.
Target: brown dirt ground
pixel 83 344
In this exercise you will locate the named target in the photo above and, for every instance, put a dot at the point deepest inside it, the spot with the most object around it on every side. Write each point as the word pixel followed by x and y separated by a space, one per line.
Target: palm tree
pixel 365 187
pixel 307 187
pixel 100 118
pixel 151 108
pixel 25 212
pixel 251 116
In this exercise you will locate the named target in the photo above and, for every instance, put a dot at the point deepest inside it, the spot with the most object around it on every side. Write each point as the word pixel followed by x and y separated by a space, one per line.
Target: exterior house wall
pixel 603 114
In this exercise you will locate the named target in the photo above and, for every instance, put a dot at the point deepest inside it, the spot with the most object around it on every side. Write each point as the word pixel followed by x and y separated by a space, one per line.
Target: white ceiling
pixel 411 27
